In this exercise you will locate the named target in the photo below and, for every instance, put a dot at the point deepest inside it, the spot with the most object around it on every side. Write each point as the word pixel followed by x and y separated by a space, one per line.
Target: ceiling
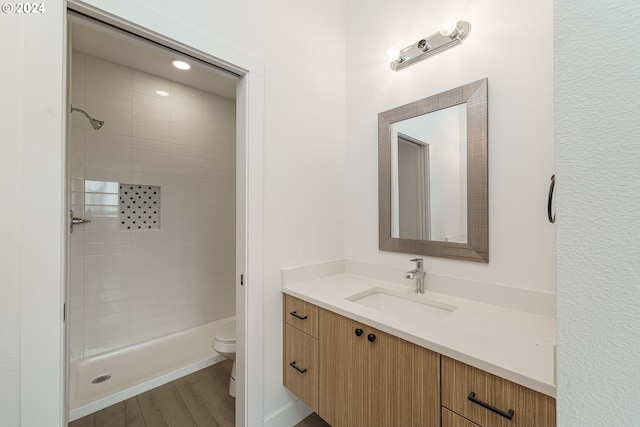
pixel 116 46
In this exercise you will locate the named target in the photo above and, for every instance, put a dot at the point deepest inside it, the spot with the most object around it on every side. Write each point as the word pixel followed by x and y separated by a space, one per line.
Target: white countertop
pixel 511 344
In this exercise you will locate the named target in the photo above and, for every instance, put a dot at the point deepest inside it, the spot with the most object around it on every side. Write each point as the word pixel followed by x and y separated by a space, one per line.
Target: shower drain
pixel 101 378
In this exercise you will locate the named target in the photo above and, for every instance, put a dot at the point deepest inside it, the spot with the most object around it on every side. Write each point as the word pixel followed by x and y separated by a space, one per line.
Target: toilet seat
pixel 225 339
pixel 224 347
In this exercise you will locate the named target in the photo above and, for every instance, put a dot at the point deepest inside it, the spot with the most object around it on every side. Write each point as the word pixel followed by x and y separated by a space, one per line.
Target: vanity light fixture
pixel 180 65
pixel 452 33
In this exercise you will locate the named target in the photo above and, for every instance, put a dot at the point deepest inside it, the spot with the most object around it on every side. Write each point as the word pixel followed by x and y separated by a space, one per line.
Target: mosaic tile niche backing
pixel 139 207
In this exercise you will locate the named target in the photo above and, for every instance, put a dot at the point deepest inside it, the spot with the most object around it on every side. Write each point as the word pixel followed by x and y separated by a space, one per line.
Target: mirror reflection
pixel 433 175
pixel 429 176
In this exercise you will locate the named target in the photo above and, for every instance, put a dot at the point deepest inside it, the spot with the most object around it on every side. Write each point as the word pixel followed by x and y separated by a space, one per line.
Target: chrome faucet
pixel 418 274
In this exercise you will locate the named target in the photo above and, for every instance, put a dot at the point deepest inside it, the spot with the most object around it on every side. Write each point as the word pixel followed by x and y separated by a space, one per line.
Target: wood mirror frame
pixel 477 246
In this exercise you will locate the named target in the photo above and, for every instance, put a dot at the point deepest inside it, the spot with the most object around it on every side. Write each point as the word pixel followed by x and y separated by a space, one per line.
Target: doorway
pixel 414 214
pixel 99 197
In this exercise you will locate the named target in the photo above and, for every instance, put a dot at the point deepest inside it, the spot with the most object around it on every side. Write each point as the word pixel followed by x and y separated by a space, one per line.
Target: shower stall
pixel 151 178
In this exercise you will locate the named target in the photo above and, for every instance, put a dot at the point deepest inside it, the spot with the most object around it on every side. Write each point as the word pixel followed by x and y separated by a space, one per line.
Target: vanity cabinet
pixel 491 401
pixel 370 378
pixel 301 350
pixel 354 375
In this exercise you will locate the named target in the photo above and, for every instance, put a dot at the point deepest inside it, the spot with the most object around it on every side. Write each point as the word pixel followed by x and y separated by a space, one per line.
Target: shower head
pixel 95 123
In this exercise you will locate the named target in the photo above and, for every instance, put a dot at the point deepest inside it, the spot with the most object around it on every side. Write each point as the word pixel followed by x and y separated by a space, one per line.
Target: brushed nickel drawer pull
pixel 507 415
pixel 297 316
pixel 293 365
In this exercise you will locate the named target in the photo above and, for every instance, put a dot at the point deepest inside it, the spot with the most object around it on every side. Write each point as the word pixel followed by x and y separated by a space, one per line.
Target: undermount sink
pixel 406 306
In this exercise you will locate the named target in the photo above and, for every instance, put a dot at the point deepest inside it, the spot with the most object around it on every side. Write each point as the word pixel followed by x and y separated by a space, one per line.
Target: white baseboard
pixel 289 415
pixel 128 393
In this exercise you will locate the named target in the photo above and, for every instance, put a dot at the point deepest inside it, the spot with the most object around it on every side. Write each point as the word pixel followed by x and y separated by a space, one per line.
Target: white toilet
pixel 225 344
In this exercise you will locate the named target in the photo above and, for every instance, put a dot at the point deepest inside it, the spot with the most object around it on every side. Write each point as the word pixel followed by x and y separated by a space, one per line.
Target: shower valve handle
pixel 76 221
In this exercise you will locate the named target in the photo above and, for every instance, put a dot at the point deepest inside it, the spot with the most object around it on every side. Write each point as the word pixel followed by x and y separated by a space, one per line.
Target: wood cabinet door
pixel 388 375
pixel 402 383
pixel 425 387
pixel 342 359
pixel 519 406
pixel 301 365
pixel 451 419
pixel 377 381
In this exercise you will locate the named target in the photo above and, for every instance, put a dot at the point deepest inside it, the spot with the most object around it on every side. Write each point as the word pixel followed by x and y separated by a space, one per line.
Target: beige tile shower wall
pixel 132 286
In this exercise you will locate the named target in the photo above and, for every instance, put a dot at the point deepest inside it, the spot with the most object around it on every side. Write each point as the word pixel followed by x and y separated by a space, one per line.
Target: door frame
pixel 424 184
pixel 249 189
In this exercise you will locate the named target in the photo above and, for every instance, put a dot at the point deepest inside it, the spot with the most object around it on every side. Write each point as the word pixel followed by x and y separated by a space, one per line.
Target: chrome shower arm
pixel 81 111
pixel 95 123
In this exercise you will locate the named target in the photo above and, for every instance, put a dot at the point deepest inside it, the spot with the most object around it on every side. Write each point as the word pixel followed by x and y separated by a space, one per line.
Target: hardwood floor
pixel 197 400
pixel 312 420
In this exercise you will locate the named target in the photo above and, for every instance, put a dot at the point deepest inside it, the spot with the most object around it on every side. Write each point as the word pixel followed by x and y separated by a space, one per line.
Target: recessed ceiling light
pixel 162 93
pixel 181 65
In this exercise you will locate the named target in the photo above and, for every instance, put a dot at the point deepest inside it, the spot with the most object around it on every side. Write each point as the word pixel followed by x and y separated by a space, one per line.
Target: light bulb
pixel 393 53
pixel 181 65
pixel 448 26
pixel 162 93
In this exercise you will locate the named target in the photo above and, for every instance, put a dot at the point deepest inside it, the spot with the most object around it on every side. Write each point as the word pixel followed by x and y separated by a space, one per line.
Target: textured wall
pixel 597 81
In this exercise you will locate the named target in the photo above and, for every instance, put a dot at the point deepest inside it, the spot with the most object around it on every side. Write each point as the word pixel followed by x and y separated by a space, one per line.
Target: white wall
pixel 11 83
pixel 129 285
pixel 302 48
pixel 31 216
pixel 598 157
pixel 511 43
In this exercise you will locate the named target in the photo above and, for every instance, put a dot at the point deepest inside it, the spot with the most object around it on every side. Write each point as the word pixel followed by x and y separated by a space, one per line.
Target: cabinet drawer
pixel 301 315
pixel 301 365
pixel 451 419
pixel 530 408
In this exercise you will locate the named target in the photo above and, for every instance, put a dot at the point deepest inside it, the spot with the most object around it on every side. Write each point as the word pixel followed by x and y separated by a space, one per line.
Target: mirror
pixel 432 177
pixel 429 176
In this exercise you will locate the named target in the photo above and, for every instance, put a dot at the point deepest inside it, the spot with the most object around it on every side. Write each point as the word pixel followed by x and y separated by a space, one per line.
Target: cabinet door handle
pixel 358 332
pixel 371 337
pixel 297 316
pixel 293 365
pixel 507 415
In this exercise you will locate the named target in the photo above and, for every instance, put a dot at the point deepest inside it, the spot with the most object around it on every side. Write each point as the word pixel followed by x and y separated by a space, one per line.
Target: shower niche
pixel 139 207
